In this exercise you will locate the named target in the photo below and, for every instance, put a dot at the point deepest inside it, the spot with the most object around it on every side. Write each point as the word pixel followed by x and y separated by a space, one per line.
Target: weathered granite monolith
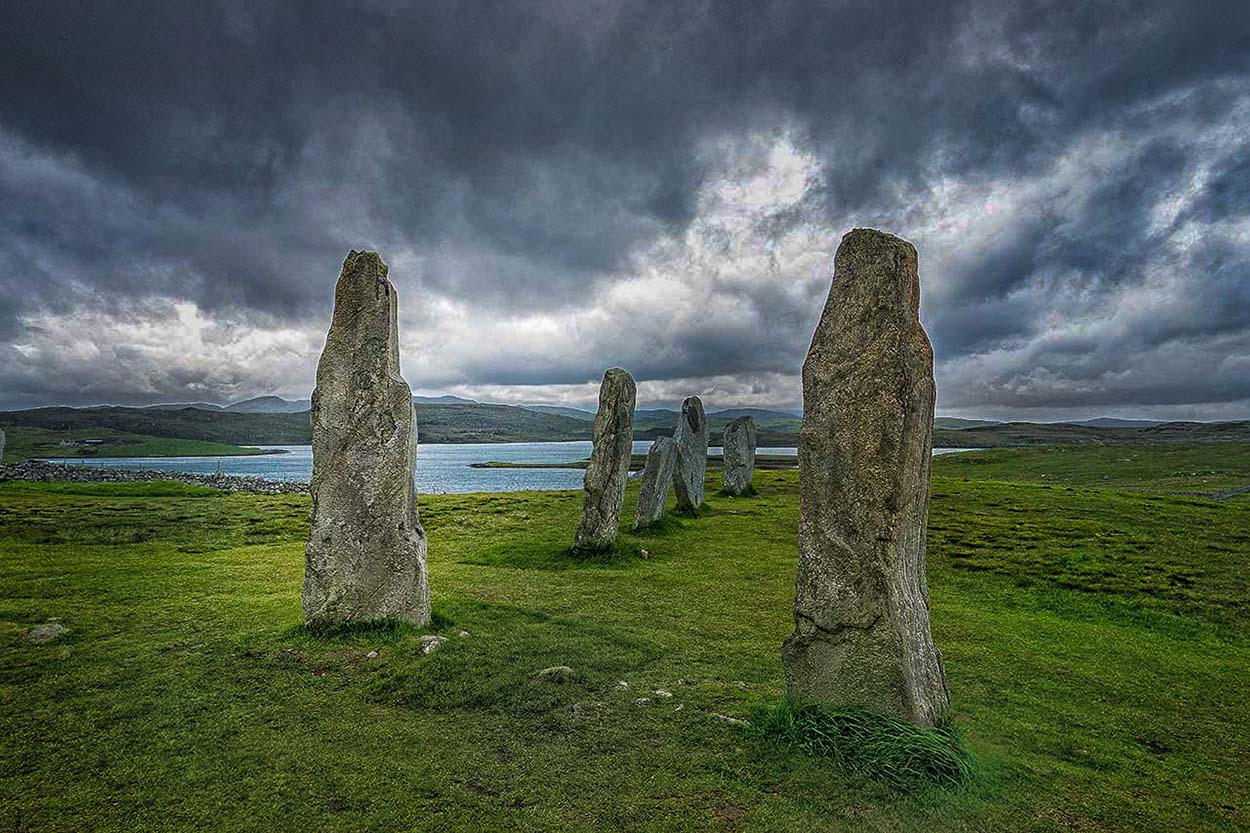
pixel 365 557
pixel 657 478
pixel 604 484
pixel 861 608
pixel 739 446
pixel 691 439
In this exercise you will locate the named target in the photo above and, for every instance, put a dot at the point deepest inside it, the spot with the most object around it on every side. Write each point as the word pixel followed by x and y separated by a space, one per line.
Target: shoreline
pixel 35 471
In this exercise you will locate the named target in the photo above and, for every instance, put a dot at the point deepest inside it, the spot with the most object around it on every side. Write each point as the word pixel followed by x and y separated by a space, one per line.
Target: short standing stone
pixel 739 445
pixel 604 484
pixel 657 477
pixel 1 447
pixel 691 439
pixel 365 557
pixel 861 608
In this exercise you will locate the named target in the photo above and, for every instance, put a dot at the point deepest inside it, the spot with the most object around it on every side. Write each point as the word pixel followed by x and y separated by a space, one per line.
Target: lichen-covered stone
pixel 739 446
pixel 691 468
pixel 365 557
pixel 604 484
pixel 861 608
pixel 657 478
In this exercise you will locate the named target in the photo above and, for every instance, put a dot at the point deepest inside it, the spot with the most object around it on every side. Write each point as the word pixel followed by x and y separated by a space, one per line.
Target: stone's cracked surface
pixel 691 440
pixel 861 608
pixel 739 445
pixel 365 558
pixel 657 478
pixel 604 484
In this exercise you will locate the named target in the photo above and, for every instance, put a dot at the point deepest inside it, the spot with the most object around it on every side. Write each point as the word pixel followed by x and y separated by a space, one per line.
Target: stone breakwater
pixel 57 473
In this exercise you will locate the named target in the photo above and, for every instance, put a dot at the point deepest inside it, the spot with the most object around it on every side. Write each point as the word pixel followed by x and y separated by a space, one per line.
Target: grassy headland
pixel 1096 641
pixel 22 443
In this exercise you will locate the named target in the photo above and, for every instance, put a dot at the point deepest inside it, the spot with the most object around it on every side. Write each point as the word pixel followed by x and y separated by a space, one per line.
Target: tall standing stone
pixel 739 446
pixel 691 439
pixel 365 557
pixel 657 477
pixel 1 447
pixel 604 484
pixel 861 607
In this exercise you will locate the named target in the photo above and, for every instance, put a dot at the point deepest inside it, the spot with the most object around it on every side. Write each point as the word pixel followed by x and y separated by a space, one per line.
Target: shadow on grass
pixel 554 555
pixel 749 491
pixel 664 525
pixel 877 747
pixel 388 630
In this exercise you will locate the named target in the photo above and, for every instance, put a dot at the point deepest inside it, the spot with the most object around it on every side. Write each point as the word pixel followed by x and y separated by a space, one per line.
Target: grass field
pixel 22 442
pixel 1096 641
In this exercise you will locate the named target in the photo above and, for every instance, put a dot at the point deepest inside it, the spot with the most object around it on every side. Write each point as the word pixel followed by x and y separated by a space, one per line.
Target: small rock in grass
pixel 662 694
pixel 47 632
pixel 621 685
pixel 430 643
pixel 555 674
pixel 643 554
pixel 372 655
pixel 732 721
pixel 643 701
pixel 585 711
pixel 462 634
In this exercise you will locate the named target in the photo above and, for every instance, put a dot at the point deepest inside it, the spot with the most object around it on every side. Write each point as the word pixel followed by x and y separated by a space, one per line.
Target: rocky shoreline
pixel 40 472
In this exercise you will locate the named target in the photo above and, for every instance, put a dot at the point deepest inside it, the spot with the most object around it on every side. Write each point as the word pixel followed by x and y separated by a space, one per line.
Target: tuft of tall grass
pixel 875 746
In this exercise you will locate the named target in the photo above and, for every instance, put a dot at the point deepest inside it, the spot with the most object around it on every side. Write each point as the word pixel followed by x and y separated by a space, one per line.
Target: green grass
pixel 873 746
pixel 1096 642
pixel 1193 467
pixel 22 443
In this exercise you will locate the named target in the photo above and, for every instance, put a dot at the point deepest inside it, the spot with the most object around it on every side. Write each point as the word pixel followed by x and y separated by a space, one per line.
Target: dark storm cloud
pixel 528 155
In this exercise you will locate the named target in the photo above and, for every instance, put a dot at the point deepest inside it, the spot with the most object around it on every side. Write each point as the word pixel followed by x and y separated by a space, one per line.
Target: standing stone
pixel 657 477
pixel 366 550
pixel 1 447
pixel 861 607
pixel 739 446
pixel 604 484
pixel 691 439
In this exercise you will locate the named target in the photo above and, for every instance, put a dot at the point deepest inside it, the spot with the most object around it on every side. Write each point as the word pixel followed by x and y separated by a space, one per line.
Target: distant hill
pixel 270 405
pixel 1113 422
pixel 955 423
pixel 562 410
pixel 436 423
pixel 758 414
pixel 178 406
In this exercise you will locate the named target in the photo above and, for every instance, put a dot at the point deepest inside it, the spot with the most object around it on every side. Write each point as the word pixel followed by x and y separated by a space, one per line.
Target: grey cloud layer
pixel 526 158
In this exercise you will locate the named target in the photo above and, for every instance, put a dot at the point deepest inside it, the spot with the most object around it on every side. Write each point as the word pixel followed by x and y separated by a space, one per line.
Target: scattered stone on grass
pixel 431 643
pixel 554 674
pixel 47 632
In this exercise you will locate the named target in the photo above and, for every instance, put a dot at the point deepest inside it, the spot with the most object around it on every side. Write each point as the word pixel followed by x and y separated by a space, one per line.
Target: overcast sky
pixel 563 186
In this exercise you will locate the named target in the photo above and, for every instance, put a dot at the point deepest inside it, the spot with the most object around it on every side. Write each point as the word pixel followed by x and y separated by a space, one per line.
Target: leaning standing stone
pixel 657 477
pixel 861 608
pixel 691 439
pixel 365 557
pixel 739 447
pixel 604 484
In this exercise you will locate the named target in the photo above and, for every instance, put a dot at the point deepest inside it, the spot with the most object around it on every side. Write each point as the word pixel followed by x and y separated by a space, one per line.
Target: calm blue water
pixel 440 468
